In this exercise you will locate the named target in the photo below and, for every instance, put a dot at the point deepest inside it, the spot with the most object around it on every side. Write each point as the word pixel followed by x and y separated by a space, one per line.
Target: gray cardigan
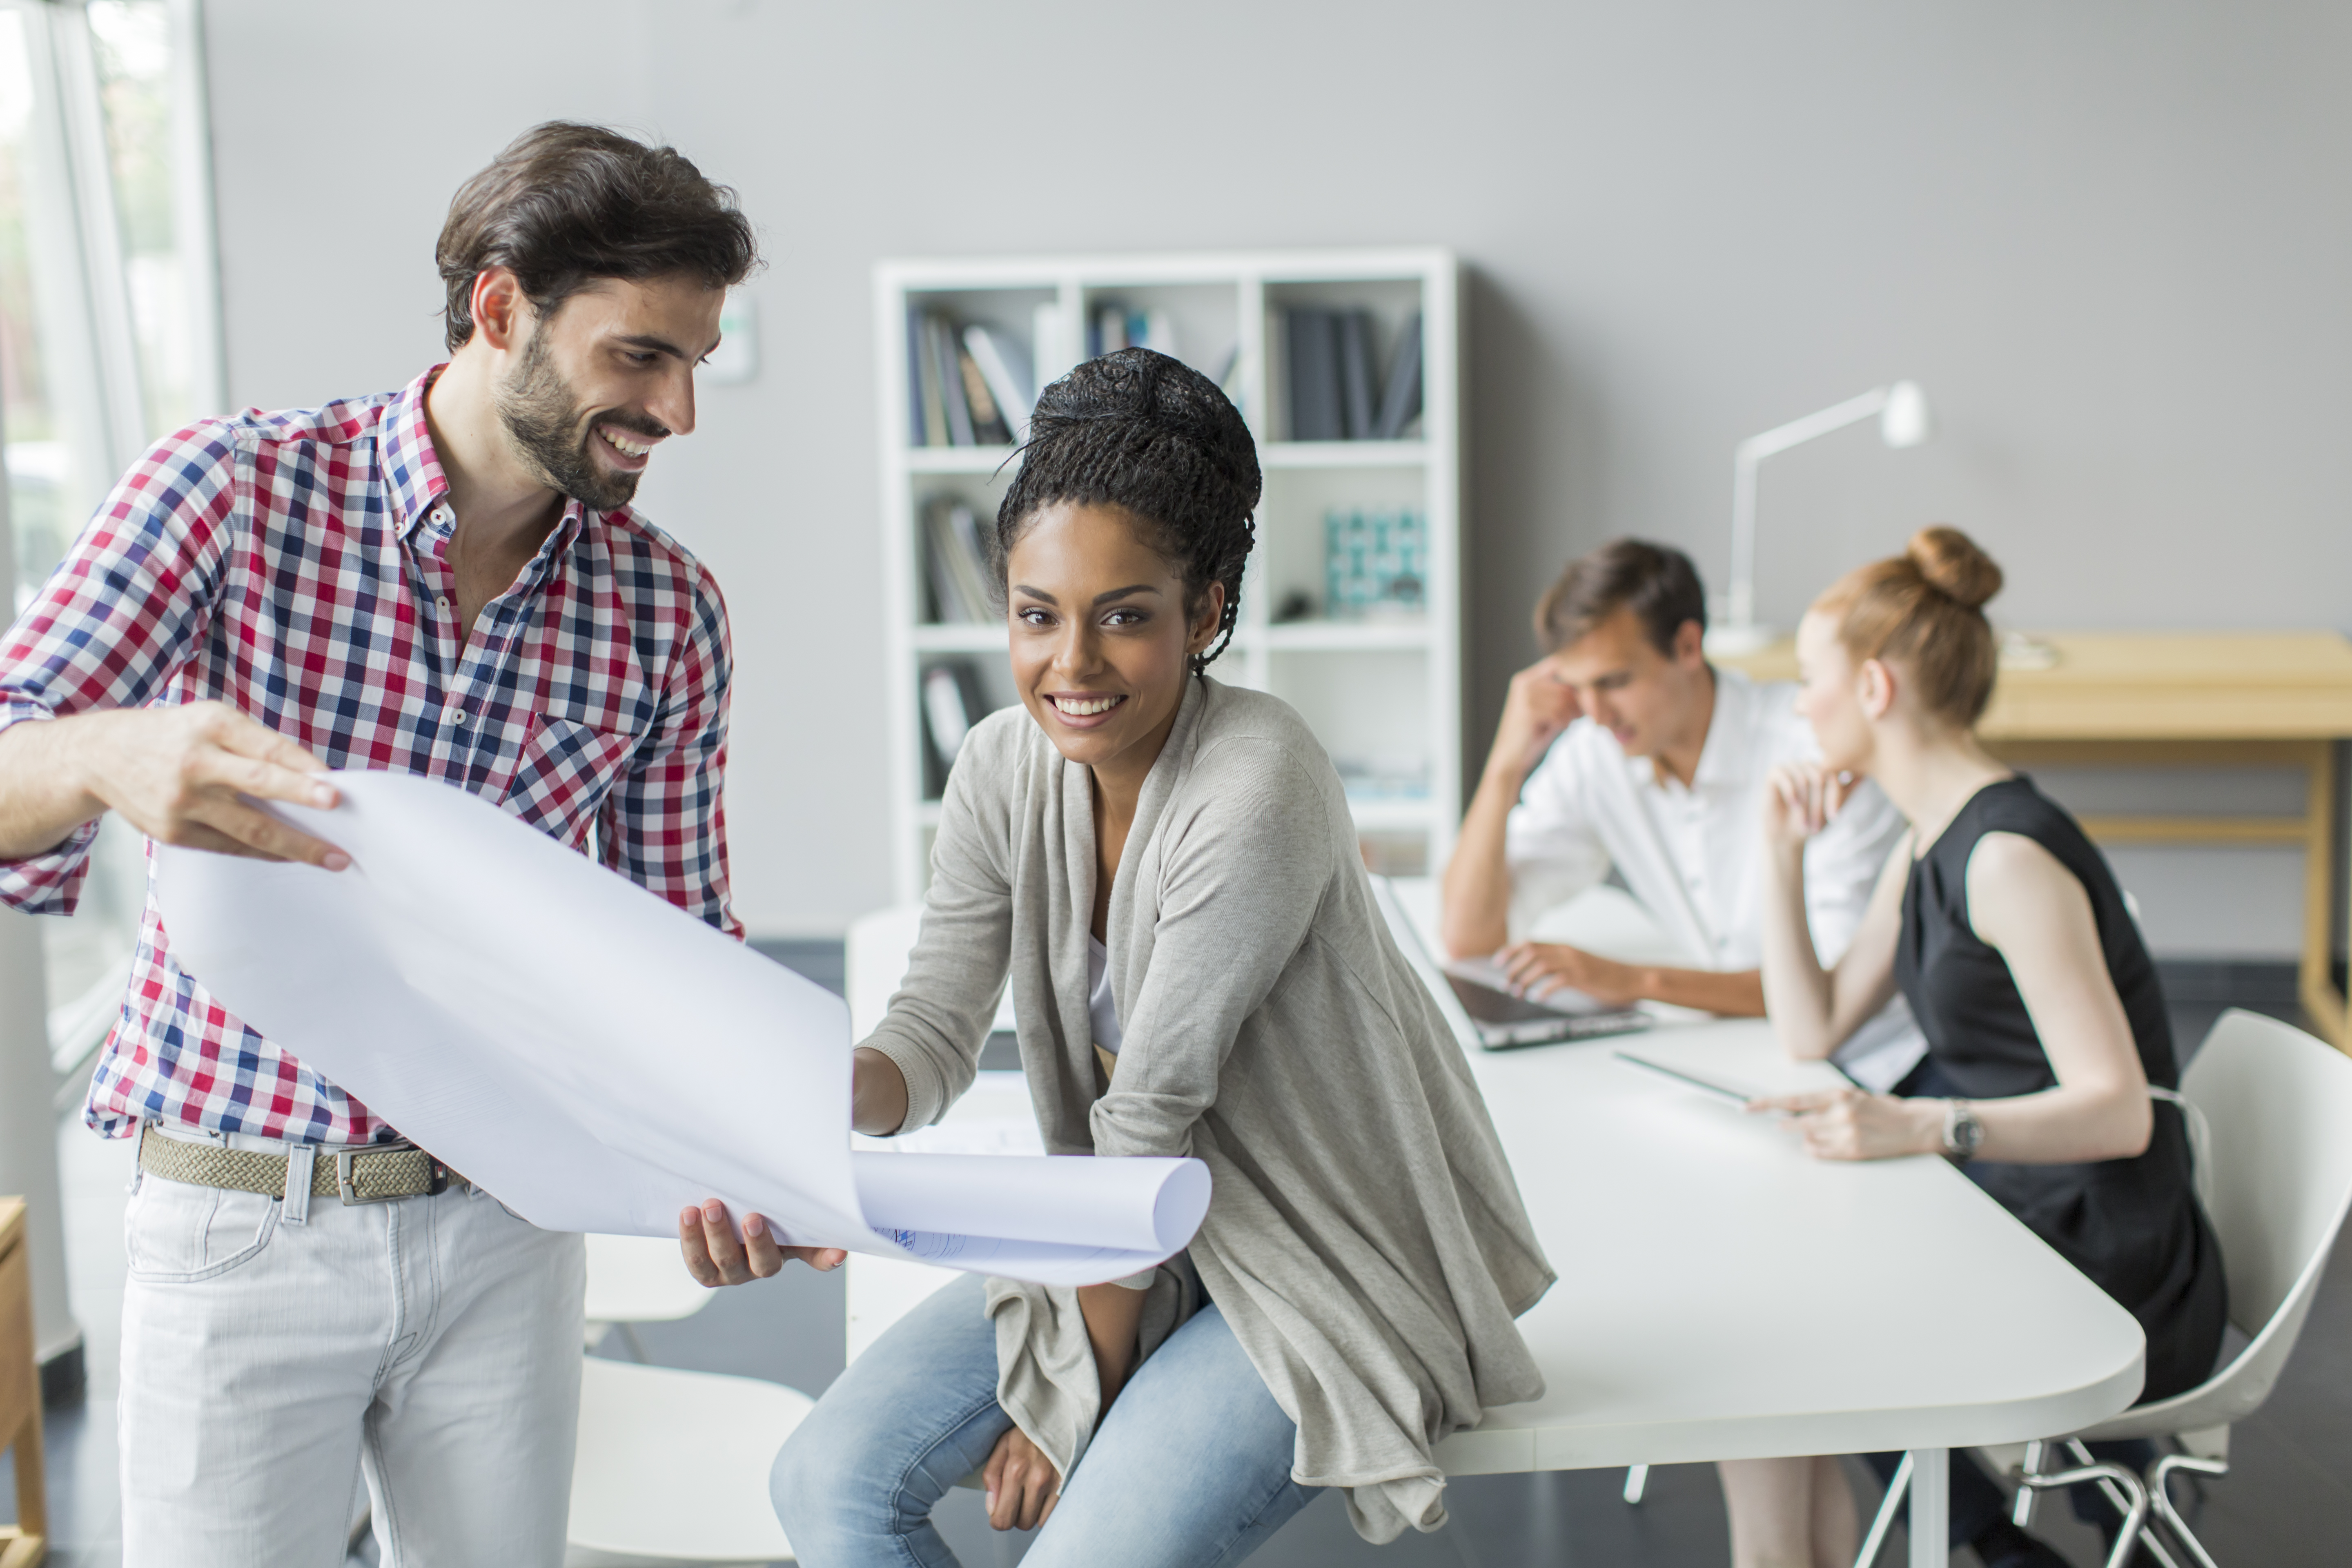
pixel 1365 1239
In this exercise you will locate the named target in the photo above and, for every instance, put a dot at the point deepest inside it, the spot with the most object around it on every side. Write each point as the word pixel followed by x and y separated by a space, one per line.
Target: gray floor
pixel 2287 1504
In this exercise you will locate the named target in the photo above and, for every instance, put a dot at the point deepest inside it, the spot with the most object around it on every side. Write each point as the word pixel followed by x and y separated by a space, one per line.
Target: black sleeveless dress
pixel 2133 1225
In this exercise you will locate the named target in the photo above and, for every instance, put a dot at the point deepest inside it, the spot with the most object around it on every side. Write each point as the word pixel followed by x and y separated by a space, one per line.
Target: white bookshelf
pixel 1378 692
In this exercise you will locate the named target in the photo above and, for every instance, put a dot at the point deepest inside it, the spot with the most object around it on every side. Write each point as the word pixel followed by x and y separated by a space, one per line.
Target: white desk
pixel 1723 1296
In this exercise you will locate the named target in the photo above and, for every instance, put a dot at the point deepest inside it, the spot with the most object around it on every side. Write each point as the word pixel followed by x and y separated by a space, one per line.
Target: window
pixel 108 338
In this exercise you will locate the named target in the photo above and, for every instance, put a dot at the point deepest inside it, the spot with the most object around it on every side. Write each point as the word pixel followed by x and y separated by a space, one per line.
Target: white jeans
pixel 432 1343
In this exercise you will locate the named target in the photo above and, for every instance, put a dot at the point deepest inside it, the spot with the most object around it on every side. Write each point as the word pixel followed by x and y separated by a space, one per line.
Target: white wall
pixel 2110 237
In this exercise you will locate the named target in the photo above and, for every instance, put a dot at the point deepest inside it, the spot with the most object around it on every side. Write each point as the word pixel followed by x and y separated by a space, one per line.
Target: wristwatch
pixel 1963 1133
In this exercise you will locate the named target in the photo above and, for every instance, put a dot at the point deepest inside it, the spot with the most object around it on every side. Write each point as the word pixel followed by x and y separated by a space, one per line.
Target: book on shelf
pixel 988 426
pixel 950 374
pixel 1004 365
pixel 1355 341
pixel 953 701
pixel 1112 326
pixel 1401 391
pixel 931 415
pixel 1105 330
pixel 967 386
pixel 955 554
pixel 1333 395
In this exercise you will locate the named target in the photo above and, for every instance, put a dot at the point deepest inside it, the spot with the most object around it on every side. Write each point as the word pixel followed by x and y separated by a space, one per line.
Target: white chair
pixel 638 1279
pixel 2276 1103
pixel 671 1466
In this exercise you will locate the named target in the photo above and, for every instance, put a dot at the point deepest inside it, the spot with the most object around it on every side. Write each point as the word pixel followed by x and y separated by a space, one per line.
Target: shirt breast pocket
pixel 568 763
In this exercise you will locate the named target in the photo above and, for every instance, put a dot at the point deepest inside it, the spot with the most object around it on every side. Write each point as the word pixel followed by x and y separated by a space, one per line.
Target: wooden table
pixel 22 1544
pixel 2187 700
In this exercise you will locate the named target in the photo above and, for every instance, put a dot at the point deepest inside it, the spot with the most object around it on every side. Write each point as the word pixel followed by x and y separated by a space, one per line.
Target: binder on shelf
pixel 1355 345
pixel 1400 393
pixel 956 564
pixel 1334 393
pixel 1313 347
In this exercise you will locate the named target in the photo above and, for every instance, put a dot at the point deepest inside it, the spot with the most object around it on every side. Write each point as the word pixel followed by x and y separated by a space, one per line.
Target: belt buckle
pixel 351 1195
pixel 437 1185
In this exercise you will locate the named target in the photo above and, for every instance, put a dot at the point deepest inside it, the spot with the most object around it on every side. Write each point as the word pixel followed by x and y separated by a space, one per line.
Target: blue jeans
pixel 1190 1469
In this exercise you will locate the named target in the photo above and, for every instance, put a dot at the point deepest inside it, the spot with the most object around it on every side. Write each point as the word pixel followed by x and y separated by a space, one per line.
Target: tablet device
pixel 1687 1079
pixel 1503 1020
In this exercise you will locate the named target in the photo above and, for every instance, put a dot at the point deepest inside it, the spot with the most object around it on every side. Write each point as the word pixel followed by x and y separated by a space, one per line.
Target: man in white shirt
pixel 1623 748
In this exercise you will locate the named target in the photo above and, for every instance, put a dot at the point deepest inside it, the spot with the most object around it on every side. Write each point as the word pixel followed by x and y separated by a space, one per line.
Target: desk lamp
pixel 1902 411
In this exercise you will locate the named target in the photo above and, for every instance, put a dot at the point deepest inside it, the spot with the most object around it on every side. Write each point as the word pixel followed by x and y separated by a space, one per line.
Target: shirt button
pixel 441 516
pixel 441 602
pixel 455 713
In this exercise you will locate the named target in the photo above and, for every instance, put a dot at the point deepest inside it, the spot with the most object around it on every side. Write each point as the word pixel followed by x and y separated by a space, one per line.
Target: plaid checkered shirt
pixel 293 566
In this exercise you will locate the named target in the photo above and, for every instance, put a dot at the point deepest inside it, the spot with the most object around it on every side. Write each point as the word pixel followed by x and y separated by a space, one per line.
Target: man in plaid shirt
pixel 449 581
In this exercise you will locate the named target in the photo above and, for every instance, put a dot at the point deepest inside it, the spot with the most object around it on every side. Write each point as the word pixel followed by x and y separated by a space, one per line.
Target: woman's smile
pixel 1085 710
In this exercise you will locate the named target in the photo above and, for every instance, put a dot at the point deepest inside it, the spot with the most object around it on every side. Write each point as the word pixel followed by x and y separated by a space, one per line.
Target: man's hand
pixel 1537 969
pixel 1021 1486
pixel 1539 707
pixel 177 775
pixel 1847 1124
pixel 715 1256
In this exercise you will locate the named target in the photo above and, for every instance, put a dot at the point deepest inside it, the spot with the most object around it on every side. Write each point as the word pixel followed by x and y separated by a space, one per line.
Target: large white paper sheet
pixel 599 1060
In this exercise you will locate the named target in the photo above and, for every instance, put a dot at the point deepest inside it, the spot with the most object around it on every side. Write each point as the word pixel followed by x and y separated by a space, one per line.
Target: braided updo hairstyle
pixel 1156 438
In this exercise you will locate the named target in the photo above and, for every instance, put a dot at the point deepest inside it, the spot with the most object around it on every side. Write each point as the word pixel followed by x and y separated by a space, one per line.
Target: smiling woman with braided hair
pixel 1165 870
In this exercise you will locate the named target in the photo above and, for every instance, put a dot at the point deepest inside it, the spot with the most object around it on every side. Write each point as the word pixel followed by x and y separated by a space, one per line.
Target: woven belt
pixel 375 1173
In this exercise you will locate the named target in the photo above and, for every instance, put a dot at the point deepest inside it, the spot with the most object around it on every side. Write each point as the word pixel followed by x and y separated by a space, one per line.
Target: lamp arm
pixel 1746 458
pixel 1797 432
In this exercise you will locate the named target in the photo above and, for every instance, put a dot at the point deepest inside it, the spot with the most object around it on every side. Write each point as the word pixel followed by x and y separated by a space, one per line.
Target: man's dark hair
pixel 1656 581
pixel 566 204
pixel 1154 437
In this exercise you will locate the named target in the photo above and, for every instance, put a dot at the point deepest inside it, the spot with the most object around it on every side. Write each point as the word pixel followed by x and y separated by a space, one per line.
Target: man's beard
pixel 549 427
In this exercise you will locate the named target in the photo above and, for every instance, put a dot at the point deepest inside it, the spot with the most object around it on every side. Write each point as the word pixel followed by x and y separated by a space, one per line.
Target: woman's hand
pixel 1021 1486
pixel 1847 1124
pixel 1800 798
pixel 714 1257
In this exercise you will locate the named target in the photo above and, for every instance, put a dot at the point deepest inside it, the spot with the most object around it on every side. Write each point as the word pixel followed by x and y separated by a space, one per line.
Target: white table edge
pixel 1497 1447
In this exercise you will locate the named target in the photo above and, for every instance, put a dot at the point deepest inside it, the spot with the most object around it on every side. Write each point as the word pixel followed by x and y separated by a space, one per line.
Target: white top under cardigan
pixel 1692 857
pixel 1365 1240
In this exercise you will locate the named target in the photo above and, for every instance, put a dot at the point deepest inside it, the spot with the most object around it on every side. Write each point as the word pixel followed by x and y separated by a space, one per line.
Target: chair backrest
pixel 640 1280
pixel 2279 1103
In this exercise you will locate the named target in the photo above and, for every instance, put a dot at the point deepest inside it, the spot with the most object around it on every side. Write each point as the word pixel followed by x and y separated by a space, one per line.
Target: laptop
pixel 1504 1020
